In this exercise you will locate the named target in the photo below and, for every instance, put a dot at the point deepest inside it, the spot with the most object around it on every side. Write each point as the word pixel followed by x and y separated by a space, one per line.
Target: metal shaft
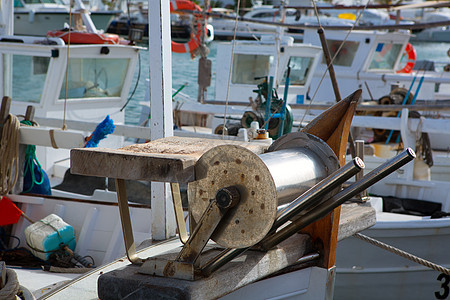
pixel 322 210
pixel 311 196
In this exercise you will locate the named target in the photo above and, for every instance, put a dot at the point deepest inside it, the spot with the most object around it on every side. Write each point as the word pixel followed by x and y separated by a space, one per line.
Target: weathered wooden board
pixel 355 218
pixel 170 159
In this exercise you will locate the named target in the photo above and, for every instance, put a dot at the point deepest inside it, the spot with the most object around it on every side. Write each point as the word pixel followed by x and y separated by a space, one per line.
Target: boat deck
pixel 354 218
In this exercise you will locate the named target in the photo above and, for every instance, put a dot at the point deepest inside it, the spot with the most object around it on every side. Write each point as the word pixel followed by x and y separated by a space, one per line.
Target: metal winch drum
pixel 293 164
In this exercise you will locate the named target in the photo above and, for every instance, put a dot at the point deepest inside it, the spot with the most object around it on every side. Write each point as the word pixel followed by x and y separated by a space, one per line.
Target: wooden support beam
pixel 332 126
pixel 4 112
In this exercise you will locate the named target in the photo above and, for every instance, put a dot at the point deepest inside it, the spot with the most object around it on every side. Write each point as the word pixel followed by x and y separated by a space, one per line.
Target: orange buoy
pixel 194 41
pixel 412 55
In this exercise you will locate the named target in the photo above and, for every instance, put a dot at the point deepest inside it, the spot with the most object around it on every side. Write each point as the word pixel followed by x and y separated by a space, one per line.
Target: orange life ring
pixel 194 41
pixel 77 37
pixel 412 55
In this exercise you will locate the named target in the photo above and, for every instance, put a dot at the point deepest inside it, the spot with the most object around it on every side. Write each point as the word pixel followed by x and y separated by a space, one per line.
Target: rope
pixel 332 59
pixel 31 162
pixel 9 154
pixel 402 253
pixel 11 288
pixel 238 5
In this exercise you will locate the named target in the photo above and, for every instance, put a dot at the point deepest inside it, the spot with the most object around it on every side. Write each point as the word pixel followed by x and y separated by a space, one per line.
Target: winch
pixel 242 200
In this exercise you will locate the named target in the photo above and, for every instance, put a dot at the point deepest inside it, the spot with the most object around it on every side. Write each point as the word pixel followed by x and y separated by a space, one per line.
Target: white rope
pixel 11 288
pixel 9 154
pixel 403 254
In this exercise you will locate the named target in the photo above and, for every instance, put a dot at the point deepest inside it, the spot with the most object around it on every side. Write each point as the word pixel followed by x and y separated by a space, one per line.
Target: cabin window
pixel 94 78
pixel 299 70
pixel 385 56
pixel 247 68
pixel 345 56
pixel 29 74
pixel 44 1
pixel 17 3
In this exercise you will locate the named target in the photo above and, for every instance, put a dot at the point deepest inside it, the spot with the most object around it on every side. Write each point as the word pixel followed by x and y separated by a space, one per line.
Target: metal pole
pixel 359 144
pixel 322 210
pixel 326 54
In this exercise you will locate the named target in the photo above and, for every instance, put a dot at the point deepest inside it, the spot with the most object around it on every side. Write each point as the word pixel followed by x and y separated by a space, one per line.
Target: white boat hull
pixel 365 271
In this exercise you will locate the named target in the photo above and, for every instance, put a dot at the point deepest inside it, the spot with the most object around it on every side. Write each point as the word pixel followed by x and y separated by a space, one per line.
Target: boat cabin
pixel 36 71
pixel 254 61
pixel 378 62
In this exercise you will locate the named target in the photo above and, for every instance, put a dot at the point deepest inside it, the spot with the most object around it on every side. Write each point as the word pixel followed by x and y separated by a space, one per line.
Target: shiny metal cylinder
pixel 313 195
pixel 316 213
pixel 299 166
pixel 293 164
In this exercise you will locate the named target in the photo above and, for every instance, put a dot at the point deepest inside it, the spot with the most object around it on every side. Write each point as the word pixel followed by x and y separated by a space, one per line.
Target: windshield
pixel 247 67
pixel 385 56
pixel 95 77
pixel 299 70
pixel 29 74
pixel 346 54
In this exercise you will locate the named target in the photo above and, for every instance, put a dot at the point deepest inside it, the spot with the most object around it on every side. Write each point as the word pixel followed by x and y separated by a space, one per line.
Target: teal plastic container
pixel 45 236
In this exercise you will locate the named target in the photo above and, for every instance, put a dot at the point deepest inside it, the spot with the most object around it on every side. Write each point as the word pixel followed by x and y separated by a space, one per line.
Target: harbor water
pixel 185 69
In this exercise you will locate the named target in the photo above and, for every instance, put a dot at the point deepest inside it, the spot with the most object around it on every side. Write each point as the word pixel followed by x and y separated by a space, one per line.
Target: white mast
pixel 6 28
pixel 161 120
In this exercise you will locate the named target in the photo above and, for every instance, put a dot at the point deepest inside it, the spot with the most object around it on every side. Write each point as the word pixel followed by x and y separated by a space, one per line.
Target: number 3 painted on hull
pixel 445 286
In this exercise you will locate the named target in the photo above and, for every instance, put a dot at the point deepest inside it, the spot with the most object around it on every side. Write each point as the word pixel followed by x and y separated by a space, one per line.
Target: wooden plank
pixel 4 112
pixel 39 136
pixel 354 218
pixel 169 159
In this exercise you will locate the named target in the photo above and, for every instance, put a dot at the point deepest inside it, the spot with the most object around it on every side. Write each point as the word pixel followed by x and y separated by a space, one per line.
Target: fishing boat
pixel 38 17
pixel 88 86
pixel 183 26
pixel 373 61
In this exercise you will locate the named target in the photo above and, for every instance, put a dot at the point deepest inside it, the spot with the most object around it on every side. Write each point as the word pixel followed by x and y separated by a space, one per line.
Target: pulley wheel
pixel 251 219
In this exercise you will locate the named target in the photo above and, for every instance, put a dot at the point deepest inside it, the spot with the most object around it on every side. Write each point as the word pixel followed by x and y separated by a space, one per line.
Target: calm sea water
pixel 184 70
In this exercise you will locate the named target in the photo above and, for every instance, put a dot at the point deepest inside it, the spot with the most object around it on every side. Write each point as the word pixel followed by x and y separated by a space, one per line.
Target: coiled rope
pixel 9 154
pixel 11 288
pixel 402 253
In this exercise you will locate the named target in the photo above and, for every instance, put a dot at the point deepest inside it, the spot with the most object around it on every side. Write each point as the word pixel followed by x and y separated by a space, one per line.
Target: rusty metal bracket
pixel 125 219
pixel 178 208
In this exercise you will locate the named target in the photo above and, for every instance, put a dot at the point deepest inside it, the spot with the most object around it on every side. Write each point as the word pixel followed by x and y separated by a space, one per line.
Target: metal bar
pixel 359 144
pixel 125 219
pixel 337 94
pixel 221 259
pixel 326 54
pixel 178 208
pixel 200 237
pixel 268 100
pixel 322 210
pixel 311 196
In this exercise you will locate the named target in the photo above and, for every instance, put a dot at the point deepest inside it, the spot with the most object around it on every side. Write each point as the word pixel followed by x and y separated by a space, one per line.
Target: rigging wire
pixel 64 126
pixel 136 85
pixel 332 59
pixel 231 68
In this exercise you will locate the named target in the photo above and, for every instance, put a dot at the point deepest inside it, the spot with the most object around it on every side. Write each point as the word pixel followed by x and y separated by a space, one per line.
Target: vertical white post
pixel 161 120
pixel 6 28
